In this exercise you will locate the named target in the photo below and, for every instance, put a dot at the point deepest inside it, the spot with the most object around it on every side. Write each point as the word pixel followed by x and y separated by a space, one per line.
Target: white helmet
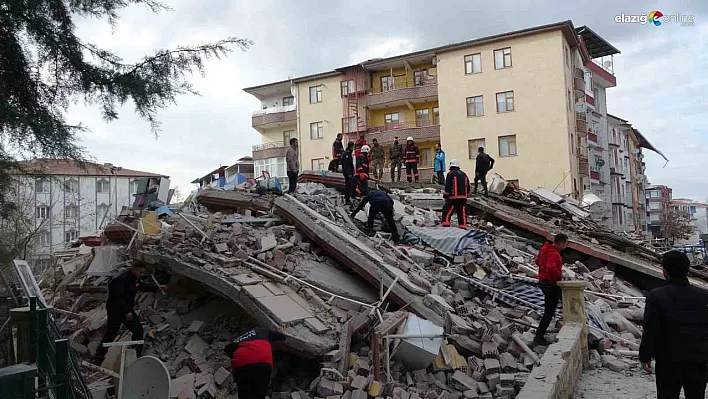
pixel 454 163
pixel 365 148
pixel 409 138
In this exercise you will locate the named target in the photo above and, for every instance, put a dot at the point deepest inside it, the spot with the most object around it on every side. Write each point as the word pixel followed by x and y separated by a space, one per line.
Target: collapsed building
pixel 448 313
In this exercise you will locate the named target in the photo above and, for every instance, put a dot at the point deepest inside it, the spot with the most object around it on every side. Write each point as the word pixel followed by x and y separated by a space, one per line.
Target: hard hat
pixel 409 138
pixel 365 148
pixel 454 163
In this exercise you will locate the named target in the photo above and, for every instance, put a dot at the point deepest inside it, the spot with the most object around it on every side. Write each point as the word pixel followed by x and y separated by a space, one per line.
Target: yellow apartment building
pixel 530 98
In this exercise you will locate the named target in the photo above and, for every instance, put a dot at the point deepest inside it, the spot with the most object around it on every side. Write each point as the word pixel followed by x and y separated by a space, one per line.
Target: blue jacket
pixel 440 161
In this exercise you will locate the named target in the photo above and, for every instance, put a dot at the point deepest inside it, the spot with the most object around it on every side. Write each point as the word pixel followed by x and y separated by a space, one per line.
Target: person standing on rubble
pixel 337 150
pixel 676 332
pixel 292 161
pixel 550 271
pixel 379 202
pixel 377 157
pixel 362 171
pixel 395 156
pixel 120 307
pixel 348 172
pixel 440 164
pixel 457 189
pixel 359 144
pixel 251 357
pixel 484 164
pixel 412 157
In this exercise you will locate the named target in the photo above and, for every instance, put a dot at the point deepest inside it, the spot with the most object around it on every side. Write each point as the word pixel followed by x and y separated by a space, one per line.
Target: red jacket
pixel 253 347
pixel 550 263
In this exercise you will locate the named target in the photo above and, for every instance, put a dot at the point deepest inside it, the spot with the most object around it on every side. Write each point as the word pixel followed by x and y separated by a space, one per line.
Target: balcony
pixel 616 172
pixel 403 93
pixel 581 124
pixel 274 116
pixel 579 84
pixel 276 149
pixel 420 131
pixel 583 165
pixel 593 140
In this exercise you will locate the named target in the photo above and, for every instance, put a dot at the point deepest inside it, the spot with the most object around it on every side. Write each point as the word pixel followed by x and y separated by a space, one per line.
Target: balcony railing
pixel 419 130
pixel 275 110
pixel 274 115
pixel 399 91
pixel 265 146
pixel 276 149
pixel 406 84
pixel 581 124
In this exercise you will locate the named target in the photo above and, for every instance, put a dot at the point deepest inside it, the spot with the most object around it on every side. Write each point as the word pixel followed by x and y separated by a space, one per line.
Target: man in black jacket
pixel 120 307
pixel 456 191
pixel 378 201
pixel 484 164
pixel 348 172
pixel 337 150
pixel 676 332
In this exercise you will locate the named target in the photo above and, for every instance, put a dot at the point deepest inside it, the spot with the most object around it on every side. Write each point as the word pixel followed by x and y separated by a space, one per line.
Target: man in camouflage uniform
pixel 395 156
pixel 377 157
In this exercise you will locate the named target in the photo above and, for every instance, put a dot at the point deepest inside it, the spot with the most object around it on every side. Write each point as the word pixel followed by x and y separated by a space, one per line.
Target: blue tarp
pixel 449 241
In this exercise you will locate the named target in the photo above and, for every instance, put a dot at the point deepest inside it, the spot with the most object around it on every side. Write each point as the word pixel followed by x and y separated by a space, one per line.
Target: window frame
pixel 42 209
pixel 291 99
pixel 475 150
pixel 426 157
pixel 346 87
pixel 45 184
pixel 317 93
pixel 509 154
pixel 68 234
pixel 424 114
pixel 506 101
pixel 470 70
pixel 286 137
pixel 390 126
pixel 135 182
pixel 390 83
pixel 71 211
pixel 100 183
pixel 419 77
pixel 436 115
pixel 320 130
pixel 321 166
pixel 347 122
pixel 47 241
pixel 504 54
pixel 473 101
pixel 68 186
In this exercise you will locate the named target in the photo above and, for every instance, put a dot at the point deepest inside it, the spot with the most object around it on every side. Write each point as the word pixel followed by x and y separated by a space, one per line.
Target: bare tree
pixel 679 225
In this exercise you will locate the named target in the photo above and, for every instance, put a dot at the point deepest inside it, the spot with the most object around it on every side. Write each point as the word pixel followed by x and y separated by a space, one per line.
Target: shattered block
pixel 507 380
pixel 267 243
pixel 507 362
pixel 463 382
pixel 359 382
pixel 493 380
pixel 437 303
pixel 492 366
pixel 490 349
pixel 196 345
pixel 503 391
pixel 359 394
pixel 328 387
pixel 221 376
pixel 195 327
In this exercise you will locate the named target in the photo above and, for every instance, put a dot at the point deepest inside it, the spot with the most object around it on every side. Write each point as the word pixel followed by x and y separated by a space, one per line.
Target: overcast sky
pixel 662 72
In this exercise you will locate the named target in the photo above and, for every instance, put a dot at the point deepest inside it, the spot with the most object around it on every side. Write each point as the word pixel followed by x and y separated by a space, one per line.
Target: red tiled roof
pixel 48 166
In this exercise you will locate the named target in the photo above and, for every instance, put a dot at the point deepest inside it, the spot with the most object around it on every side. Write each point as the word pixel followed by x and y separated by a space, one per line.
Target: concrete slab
pixel 245 279
pixel 257 291
pixel 273 287
pixel 338 281
pixel 316 325
pixel 283 309
pixel 196 345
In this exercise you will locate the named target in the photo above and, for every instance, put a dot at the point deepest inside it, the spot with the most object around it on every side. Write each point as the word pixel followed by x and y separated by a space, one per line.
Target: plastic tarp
pixel 450 241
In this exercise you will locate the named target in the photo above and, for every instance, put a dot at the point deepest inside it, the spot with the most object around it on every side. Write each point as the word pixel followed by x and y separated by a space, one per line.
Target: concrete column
pixel 574 309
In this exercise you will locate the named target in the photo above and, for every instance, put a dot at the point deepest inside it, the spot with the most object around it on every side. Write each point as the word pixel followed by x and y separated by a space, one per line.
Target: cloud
pixel 661 72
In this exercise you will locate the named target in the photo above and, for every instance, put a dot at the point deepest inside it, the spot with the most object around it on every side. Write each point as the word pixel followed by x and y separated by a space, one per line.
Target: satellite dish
pixel 146 378
pixel 600 162
pixel 608 64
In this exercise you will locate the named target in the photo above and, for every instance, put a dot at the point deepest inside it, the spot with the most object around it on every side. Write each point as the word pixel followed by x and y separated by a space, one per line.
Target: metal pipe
pixel 525 347
pixel 194 226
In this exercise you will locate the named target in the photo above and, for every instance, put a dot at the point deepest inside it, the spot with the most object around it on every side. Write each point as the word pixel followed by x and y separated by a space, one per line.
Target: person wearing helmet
pixel 456 192
pixel 440 164
pixel 395 156
pixel 379 202
pixel 362 170
pixel 359 144
pixel 412 157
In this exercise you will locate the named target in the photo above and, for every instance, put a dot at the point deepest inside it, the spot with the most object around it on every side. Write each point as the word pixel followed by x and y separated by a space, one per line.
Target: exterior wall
pixel 663 198
pixel 272 101
pixel 275 134
pixel 402 77
pixel 378 116
pixel 329 112
pixel 539 120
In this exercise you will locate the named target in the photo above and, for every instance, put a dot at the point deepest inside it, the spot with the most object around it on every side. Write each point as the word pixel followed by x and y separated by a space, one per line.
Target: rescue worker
pixel 550 271
pixel 395 156
pixel 348 172
pixel 337 150
pixel 377 157
pixel 412 157
pixel 362 171
pixel 252 361
pixel 484 164
pixel 456 191
pixel 120 307
pixel 379 202
pixel 359 144
pixel 440 164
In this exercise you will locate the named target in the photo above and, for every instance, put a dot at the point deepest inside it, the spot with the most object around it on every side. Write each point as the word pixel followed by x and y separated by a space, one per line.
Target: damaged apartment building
pixel 525 93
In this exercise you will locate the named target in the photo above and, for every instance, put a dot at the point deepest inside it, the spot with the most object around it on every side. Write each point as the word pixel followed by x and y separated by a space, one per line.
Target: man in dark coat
pixel 676 332
pixel 348 172
pixel 379 202
pixel 484 164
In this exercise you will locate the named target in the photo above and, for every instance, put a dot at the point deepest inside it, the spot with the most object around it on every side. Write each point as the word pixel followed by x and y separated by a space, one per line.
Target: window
pixel 70 235
pixel 44 238
pixel 288 101
pixel 316 130
pixel 655 217
pixel 134 184
pixel 475 106
pixel 653 194
pixel 473 147
pixel 473 63
pixel 315 94
pixel 41 186
pixel 422 117
pixel 387 83
pixel 318 164
pixel 655 206
pixel 275 167
pixel 392 121
pixel 42 212
pixel 103 186
pixel 436 116
pixel 287 135
pixel 505 101
pixel 692 209
pixel 71 186
pixel 420 77
pixel 425 157
pixel 349 125
pixel 502 58
pixel 507 146
pixel 71 211
pixel 347 87
pixel 101 210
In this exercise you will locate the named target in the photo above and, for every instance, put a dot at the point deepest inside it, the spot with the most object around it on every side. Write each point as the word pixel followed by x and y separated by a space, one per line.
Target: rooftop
pixel 51 166
pixel 596 45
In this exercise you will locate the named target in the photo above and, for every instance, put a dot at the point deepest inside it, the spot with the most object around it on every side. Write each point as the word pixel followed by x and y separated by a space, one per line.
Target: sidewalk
pixel 607 384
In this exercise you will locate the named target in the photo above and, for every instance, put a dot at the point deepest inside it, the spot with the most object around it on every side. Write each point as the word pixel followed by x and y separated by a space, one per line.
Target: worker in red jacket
pixel 359 144
pixel 457 189
pixel 550 269
pixel 252 361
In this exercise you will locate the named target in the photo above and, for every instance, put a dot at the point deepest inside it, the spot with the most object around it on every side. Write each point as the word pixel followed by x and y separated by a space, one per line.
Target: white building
pixel 699 217
pixel 620 176
pixel 66 200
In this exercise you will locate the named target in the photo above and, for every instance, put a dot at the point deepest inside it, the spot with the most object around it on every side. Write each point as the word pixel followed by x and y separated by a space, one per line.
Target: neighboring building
pixel 658 199
pixel 699 217
pixel 535 99
pixel 67 200
pixel 243 166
